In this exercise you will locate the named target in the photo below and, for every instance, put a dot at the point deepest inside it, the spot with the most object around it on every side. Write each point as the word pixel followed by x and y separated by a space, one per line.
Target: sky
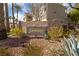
pixel 25 9
pixel 68 7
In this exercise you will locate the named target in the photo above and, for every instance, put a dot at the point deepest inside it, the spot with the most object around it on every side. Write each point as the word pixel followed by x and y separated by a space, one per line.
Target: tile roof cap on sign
pixel 37 24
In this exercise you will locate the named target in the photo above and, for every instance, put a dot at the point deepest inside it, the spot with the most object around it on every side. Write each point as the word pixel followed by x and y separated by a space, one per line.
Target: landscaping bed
pixel 35 47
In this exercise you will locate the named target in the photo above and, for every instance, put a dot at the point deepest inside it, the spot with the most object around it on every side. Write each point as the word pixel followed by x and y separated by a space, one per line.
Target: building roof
pixel 37 24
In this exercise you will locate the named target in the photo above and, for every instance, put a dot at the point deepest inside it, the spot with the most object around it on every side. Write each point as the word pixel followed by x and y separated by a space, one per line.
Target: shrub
pixel 55 32
pixel 17 32
pixel 66 33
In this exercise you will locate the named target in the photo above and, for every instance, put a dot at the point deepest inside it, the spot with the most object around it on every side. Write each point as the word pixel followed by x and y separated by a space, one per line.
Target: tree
pixel 18 8
pixel 13 15
pixel 74 14
pixel 7 18
pixel 77 7
pixel 3 34
pixel 27 17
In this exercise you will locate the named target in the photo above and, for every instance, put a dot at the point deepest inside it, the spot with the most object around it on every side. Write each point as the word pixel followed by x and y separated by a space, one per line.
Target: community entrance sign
pixel 37 29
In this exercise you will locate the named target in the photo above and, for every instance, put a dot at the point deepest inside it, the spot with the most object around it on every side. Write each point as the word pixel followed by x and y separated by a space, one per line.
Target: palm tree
pixel 18 8
pixel 3 34
pixel 7 18
pixel 13 15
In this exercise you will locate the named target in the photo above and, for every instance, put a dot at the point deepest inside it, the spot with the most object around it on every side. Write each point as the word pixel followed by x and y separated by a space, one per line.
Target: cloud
pixel 24 9
pixel 20 4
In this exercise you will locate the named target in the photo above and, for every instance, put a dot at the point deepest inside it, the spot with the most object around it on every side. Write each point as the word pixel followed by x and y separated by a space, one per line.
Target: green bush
pixel 67 32
pixel 16 32
pixel 55 32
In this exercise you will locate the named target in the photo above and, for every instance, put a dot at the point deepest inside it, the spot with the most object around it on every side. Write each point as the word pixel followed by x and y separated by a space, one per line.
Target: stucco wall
pixel 55 11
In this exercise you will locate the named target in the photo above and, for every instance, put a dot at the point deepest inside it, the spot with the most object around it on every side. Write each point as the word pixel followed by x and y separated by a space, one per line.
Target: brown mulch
pixel 53 48
pixel 14 42
pixel 16 51
pixel 16 46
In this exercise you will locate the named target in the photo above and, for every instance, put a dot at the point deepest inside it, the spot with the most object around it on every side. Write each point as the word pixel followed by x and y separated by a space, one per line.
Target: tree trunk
pixel 3 34
pixel 7 18
pixel 13 15
pixel 17 16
